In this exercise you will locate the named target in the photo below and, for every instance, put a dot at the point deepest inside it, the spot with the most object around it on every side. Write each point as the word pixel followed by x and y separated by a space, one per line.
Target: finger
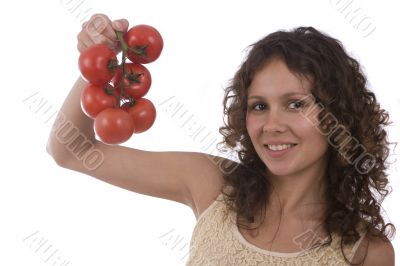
pixel 84 24
pixel 101 31
pixel 103 40
pixel 97 25
pixel 84 41
pixel 120 25
pixel 101 25
pixel 109 32
pixel 81 47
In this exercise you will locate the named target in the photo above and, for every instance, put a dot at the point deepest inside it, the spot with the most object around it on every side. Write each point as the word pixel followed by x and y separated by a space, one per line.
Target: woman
pixel 312 149
pixel 311 144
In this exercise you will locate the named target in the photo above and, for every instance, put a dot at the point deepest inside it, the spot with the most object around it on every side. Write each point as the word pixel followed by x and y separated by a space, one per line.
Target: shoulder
pixel 209 181
pixel 379 252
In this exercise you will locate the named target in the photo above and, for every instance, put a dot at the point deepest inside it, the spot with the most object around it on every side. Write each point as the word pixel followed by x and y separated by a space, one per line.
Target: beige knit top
pixel 217 241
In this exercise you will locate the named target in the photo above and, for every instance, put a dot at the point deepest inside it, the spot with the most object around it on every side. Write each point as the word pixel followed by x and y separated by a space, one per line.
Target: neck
pixel 300 195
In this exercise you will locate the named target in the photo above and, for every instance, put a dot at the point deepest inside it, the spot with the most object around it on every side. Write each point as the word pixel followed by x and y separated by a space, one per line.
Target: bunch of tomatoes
pixel 114 94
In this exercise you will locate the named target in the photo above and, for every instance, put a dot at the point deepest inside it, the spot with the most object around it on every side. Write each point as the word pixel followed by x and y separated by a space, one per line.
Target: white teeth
pixel 280 147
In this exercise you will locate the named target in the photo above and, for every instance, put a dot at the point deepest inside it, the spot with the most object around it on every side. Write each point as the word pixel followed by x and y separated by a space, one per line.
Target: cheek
pixel 252 125
pixel 309 132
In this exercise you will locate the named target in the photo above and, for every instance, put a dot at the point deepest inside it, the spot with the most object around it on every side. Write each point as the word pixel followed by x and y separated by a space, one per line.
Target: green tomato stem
pixel 124 48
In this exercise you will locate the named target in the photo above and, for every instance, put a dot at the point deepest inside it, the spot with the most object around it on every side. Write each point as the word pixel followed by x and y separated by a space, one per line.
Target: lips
pixel 278 153
pixel 280 143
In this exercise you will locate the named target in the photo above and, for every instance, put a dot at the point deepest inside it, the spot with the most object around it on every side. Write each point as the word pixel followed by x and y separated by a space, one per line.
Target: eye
pixel 259 106
pixel 255 106
pixel 296 104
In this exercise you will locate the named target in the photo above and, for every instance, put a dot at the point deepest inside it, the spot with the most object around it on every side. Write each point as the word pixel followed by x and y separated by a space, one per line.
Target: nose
pixel 274 122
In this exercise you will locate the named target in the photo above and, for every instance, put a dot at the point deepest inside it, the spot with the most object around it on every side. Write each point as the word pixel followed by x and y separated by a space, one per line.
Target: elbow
pixel 58 157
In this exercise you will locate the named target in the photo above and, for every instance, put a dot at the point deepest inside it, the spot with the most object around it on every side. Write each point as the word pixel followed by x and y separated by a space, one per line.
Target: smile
pixel 276 151
pixel 279 147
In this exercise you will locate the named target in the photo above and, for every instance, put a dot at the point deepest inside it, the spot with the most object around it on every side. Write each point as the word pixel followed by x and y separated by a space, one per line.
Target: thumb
pixel 120 25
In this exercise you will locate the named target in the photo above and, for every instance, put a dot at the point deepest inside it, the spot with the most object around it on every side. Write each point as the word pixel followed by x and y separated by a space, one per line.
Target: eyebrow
pixel 282 96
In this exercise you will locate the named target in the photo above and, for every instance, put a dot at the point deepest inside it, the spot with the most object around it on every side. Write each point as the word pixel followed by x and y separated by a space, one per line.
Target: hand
pixel 100 29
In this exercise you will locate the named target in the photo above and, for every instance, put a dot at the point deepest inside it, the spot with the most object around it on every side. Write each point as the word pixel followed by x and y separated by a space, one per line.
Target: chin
pixel 279 171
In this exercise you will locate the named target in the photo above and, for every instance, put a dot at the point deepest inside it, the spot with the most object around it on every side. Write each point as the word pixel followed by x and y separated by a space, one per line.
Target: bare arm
pixel 70 122
pixel 175 176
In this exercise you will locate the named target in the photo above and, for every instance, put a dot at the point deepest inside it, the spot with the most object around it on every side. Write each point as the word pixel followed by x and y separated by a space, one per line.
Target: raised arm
pixel 176 176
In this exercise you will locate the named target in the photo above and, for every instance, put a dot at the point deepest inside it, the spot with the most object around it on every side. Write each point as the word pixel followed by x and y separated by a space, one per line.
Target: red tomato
pixel 143 114
pixel 113 126
pixel 137 80
pixel 98 64
pixel 95 99
pixel 145 44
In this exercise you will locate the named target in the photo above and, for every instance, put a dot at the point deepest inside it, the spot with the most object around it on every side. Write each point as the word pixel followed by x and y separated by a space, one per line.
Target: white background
pixel 85 221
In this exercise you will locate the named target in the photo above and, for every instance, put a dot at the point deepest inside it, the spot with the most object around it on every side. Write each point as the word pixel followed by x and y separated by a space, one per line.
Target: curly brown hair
pixel 339 85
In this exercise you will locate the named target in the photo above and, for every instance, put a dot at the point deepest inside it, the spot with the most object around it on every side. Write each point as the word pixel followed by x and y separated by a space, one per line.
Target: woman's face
pixel 276 114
